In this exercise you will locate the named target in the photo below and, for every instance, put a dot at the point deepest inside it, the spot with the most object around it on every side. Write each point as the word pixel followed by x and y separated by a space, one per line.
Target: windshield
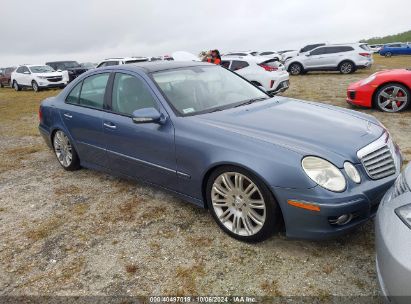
pixel 203 89
pixel 41 69
pixel 70 64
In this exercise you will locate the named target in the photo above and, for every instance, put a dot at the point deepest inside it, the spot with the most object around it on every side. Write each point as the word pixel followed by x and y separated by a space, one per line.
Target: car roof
pixel 156 66
pixel 61 61
pixel 125 58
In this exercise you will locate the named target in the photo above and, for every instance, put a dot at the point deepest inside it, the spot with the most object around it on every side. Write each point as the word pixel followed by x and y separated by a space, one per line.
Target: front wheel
pixel 242 205
pixel 65 152
pixel 347 67
pixel 392 97
pixel 295 69
pixel 16 86
pixel 388 54
pixel 35 86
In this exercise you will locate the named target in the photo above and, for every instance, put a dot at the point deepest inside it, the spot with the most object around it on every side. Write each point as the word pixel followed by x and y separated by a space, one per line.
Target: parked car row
pixel 393 49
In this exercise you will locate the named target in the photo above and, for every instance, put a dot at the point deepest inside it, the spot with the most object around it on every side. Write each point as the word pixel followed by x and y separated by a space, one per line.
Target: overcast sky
pixel 91 30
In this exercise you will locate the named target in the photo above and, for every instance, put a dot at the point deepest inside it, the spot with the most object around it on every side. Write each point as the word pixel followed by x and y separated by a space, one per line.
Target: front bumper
pixel 44 83
pixel 359 200
pixel 393 245
pixel 360 95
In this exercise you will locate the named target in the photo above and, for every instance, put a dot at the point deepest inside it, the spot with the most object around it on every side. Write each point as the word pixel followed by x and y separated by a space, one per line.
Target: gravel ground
pixel 87 233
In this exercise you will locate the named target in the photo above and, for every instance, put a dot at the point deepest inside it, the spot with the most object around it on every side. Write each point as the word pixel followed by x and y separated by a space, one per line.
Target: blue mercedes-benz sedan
pixel 216 140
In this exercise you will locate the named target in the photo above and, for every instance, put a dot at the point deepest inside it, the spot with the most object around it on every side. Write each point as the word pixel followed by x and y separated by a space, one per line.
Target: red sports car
pixel 389 91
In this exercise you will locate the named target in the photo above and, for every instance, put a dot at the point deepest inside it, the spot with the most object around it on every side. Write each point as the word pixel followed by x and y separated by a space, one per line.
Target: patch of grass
pixel 186 278
pixel 328 268
pixel 80 209
pixel 66 189
pixel 271 288
pixel 199 241
pixel 131 268
pixel 11 159
pixel 44 229
pixel 19 111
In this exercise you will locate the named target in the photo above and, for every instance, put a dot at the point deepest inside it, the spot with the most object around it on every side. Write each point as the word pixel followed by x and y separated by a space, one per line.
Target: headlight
pixel 368 80
pixel 352 172
pixel 324 173
pixel 404 213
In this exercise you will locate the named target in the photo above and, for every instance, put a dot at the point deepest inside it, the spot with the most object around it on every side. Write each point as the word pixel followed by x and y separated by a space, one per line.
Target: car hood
pixel 307 128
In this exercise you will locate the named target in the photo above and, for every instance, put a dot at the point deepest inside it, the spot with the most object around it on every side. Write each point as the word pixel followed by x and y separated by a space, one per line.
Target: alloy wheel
pixel 35 86
pixel 346 68
pixel 63 149
pixel 238 203
pixel 295 69
pixel 392 99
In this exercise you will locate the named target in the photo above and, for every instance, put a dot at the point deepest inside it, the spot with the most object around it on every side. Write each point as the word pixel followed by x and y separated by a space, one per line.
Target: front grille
pixel 351 95
pixel 379 163
pixel 377 158
pixel 55 79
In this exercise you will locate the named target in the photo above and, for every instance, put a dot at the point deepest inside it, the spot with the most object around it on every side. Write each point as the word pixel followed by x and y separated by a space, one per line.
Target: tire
pixel 388 54
pixel 65 152
pixel 392 98
pixel 295 68
pixel 346 67
pixel 1 85
pixel 35 86
pixel 16 86
pixel 232 209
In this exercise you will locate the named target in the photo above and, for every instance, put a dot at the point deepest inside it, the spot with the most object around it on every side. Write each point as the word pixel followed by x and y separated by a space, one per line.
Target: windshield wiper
pixel 250 101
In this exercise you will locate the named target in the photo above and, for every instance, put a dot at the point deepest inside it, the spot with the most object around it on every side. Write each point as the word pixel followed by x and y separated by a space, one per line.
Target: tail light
pixel 40 114
pixel 365 54
pixel 268 68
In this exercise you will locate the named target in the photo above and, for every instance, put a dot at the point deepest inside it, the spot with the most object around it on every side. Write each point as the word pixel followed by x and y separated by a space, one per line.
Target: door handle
pixel 68 115
pixel 110 125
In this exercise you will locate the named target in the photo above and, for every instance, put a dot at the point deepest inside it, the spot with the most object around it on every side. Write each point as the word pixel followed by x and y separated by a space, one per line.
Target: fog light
pixel 341 220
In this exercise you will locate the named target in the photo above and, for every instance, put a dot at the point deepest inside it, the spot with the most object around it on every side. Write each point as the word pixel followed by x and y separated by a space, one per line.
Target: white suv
pixel 120 60
pixel 269 74
pixel 37 76
pixel 346 58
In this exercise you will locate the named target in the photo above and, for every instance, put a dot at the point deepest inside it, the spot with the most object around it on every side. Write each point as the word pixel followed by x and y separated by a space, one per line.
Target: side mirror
pixel 148 115
pixel 308 54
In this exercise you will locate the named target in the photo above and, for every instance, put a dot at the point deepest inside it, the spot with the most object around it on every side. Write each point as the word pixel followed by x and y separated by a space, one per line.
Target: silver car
pixel 346 58
pixel 393 240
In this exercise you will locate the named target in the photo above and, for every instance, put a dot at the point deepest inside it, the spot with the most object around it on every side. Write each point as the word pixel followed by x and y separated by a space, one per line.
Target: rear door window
pixel 238 65
pixel 93 91
pixel 74 95
pixel 319 51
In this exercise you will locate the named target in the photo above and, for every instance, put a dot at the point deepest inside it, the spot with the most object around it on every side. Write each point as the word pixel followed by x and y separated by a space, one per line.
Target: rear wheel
pixel 16 86
pixel 65 152
pixel 346 67
pixel 295 68
pixel 392 97
pixel 242 205
pixel 388 54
